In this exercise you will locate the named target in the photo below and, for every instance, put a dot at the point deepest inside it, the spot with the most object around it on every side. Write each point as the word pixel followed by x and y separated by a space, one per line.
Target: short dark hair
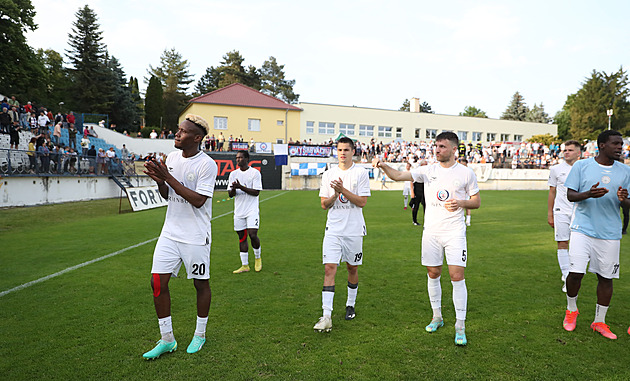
pixel 346 140
pixel 605 136
pixel 448 135
pixel 573 143
pixel 245 154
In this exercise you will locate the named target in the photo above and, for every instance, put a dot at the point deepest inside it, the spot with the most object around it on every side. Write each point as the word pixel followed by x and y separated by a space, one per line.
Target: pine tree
pixel 91 88
pixel 123 110
pixel 154 103
pixel 175 78
pixel 474 112
pixel 274 83
pixel 208 82
pixel 406 106
pixel 517 110
pixel 537 114
pixel 137 102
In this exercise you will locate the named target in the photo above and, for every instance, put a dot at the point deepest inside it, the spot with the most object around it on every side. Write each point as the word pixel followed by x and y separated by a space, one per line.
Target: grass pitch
pixel 96 321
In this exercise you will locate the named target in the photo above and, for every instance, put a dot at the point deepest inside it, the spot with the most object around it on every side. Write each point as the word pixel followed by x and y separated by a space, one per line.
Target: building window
pixel 253 124
pixel 476 137
pixel 280 122
pixel 384 132
pixel 346 129
pixel 365 130
pixel 505 137
pixel 310 127
pixel 431 134
pixel 220 123
pixel 398 132
pixel 417 135
pixel 491 136
pixel 462 135
pixel 326 128
pixel 518 138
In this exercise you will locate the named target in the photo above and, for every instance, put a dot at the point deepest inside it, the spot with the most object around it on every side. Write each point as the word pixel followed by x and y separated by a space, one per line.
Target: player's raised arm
pixel 392 173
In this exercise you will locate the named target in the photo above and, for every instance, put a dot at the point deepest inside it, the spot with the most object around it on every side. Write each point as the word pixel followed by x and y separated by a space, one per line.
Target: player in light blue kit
pixel 598 187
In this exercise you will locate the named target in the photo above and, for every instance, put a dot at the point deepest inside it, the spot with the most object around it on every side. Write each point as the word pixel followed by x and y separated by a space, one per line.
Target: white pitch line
pixel 36 281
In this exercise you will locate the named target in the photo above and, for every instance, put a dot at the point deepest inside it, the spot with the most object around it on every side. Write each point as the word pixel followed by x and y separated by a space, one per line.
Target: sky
pixel 451 54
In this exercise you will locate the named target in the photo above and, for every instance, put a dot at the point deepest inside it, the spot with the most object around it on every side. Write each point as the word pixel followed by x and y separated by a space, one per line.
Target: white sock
pixel 468 218
pixel 563 261
pixel 257 253
pixel 434 289
pixel 572 303
pixel 244 258
pixel 201 326
pixel 405 200
pixel 352 294
pixel 327 302
pixel 460 299
pixel 166 329
pixel 600 313
pixel 460 324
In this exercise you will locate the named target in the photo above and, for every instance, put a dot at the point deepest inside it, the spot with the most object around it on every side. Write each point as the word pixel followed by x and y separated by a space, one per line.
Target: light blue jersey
pixel 598 217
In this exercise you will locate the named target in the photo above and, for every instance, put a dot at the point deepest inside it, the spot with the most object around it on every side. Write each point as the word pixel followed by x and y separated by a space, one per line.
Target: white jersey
pixel 557 176
pixel 184 222
pixel 440 185
pixel 245 204
pixel 345 218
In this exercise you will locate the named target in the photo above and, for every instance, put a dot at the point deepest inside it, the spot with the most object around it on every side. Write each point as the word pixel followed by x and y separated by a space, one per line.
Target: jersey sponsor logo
pixel 605 179
pixel 343 198
pixel 442 195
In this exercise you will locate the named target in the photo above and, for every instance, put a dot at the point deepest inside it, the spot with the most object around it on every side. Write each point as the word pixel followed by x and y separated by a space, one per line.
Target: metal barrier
pixel 15 162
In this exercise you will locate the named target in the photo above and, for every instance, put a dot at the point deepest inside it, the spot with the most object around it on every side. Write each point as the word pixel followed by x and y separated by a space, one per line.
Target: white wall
pixel 135 145
pixel 27 190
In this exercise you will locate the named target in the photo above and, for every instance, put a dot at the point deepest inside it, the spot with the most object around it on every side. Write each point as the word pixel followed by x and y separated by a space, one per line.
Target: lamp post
pixel 609 112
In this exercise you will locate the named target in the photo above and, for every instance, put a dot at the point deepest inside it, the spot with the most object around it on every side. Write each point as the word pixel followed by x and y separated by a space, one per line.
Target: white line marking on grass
pixel 28 284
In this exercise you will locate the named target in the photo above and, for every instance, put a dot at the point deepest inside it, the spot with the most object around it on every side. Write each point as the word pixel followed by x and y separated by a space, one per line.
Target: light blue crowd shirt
pixel 598 217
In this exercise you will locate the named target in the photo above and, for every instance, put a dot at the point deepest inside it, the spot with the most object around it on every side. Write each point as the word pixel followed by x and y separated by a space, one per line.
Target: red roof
pixel 238 94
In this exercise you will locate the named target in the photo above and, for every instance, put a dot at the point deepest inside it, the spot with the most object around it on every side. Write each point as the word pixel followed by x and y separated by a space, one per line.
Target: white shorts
pixel 250 222
pixel 561 227
pixel 435 247
pixel 603 255
pixel 336 249
pixel 169 255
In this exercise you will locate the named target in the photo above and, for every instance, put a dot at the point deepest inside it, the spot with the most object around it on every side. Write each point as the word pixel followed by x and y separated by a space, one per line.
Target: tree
pixel 21 72
pixel 517 110
pixel 123 110
pixel 563 119
pixel 405 106
pixel 92 90
pixel 273 81
pixel 174 78
pixel 474 112
pixel 424 107
pixel 56 78
pixel 537 114
pixel 545 139
pixel 232 71
pixel 599 93
pixel 208 82
pixel 138 104
pixel 154 103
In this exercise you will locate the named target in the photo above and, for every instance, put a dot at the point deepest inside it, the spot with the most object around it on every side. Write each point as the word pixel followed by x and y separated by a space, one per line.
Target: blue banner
pixel 313 151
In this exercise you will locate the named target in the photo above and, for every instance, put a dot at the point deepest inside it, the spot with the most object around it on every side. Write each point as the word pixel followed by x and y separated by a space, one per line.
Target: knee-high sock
pixel 460 299
pixel 352 294
pixel 328 294
pixel 563 261
pixel 434 289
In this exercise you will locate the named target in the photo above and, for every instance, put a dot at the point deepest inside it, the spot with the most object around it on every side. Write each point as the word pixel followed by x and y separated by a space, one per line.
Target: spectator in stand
pixel 163 135
pixel 5 103
pixel 31 155
pixel 221 141
pixel 112 160
pixel 153 134
pixel 42 122
pixel 124 153
pixel 213 143
pixel 56 154
pixel 170 135
pixel 92 158
pixel 44 155
pixel 125 133
pixel 101 161
pixel 5 120
pixel 13 102
pixel 14 132
pixel 206 142
pixel 59 118
pixel 92 133
pixel 32 121
pixel 139 135
pixel 70 118
pixel 85 144
pixel 57 133
pixel 72 135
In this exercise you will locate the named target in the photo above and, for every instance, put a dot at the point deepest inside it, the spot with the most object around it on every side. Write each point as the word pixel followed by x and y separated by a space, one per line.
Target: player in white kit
pixel 245 184
pixel 343 192
pixel 450 188
pixel 598 187
pixel 186 180
pixel 407 188
pixel 559 208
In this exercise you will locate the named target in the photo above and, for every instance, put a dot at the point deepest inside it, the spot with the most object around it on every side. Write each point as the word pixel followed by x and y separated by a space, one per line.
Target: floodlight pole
pixel 609 112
